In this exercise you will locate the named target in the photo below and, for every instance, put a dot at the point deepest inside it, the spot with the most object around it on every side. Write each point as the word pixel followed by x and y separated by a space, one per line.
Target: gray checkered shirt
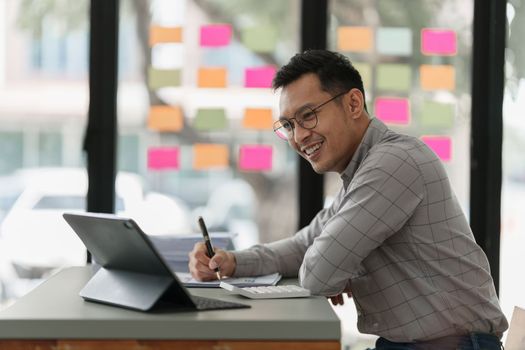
pixel 396 235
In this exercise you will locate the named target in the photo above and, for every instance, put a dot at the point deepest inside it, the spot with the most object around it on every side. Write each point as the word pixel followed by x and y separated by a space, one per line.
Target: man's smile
pixel 311 149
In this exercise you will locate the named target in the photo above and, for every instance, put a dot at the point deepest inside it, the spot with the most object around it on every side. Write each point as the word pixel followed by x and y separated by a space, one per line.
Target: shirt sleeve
pixel 381 197
pixel 284 256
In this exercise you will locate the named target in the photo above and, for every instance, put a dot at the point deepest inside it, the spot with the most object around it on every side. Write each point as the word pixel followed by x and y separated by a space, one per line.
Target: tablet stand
pixel 126 289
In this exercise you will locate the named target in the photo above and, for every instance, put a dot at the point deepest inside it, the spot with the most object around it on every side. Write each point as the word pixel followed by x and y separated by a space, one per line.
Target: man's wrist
pixel 232 263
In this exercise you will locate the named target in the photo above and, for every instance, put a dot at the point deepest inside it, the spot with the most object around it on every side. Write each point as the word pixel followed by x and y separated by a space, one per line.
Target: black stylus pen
pixel 207 241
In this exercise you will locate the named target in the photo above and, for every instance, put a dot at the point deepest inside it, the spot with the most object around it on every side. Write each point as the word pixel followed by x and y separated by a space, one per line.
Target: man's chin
pixel 318 169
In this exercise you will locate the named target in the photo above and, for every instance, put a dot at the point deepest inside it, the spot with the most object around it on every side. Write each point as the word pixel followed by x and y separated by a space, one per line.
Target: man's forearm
pixel 284 256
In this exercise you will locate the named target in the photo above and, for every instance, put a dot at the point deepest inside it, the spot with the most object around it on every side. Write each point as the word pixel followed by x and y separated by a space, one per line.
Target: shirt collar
pixel 374 133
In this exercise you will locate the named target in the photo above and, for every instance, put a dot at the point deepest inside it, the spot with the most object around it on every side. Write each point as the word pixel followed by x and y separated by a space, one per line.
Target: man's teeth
pixel 312 149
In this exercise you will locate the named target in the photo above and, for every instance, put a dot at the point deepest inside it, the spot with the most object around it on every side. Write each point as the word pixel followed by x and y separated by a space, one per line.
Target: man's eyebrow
pixel 303 107
pixel 300 109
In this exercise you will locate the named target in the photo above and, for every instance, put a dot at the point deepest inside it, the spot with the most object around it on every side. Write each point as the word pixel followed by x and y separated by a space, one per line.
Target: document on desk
pixel 257 281
pixel 175 248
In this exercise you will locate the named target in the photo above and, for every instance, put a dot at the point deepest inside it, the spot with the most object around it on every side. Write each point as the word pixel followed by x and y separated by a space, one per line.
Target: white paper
pixel 266 280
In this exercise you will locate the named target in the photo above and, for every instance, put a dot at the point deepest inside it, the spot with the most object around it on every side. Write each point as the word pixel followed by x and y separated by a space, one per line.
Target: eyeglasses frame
pixel 314 110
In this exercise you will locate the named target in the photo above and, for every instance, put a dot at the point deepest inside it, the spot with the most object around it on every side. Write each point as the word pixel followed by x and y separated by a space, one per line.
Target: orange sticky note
pixel 257 118
pixel 212 77
pixel 165 118
pixel 162 35
pixel 357 39
pixel 210 156
pixel 437 77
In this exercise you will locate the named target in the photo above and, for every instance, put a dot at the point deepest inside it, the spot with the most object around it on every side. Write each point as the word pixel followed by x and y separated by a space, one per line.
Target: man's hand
pixel 202 268
pixel 338 299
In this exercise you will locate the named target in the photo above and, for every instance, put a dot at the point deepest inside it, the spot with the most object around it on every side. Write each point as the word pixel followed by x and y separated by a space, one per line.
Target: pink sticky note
pixel 392 110
pixel 214 35
pixel 259 77
pixel 161 158
pixel 438 42
pixel 441 145
pixel 255 157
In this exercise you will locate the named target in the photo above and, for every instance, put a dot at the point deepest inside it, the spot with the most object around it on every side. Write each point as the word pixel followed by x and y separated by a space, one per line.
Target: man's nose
pixel 300 133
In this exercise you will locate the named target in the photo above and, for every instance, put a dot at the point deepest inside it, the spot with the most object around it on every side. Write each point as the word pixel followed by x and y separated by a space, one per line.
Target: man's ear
pixel 356 102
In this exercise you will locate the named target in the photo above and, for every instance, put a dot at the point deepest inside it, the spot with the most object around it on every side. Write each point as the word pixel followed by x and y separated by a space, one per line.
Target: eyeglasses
pixel 306 118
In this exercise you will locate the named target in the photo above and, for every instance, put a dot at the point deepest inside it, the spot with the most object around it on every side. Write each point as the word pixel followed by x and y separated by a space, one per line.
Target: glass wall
pixel 414 57
pixel 512 286
pixel 195 114
pixel 195 110
pixel 43 107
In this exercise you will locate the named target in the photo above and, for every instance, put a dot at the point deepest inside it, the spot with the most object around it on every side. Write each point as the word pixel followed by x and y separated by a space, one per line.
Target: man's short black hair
pixel 334 70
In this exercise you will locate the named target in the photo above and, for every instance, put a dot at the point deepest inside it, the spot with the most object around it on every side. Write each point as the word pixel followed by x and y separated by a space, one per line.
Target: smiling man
pixel 395 237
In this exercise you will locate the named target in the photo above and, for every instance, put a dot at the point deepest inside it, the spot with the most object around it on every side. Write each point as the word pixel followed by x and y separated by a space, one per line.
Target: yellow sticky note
pixel 165 118
pixel 210 156
pixel 357 39
pixel 437 77
pixel 257 118
pixel 162 35
pixel 212 77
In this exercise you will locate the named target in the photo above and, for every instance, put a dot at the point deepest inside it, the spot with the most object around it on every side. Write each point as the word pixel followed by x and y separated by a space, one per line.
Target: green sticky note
pixel 394 77
pixel 158 78
pixel 262 38
pixel 210 119
pixel 365 70
pixel 436 114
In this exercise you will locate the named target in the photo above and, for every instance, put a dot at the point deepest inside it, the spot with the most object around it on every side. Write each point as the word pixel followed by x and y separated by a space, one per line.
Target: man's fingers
pixel 199 259
pixel 202 272
pixel 216 261
pixel 202 259
pixel 198 263
pixel 203 268
pixel 337 299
